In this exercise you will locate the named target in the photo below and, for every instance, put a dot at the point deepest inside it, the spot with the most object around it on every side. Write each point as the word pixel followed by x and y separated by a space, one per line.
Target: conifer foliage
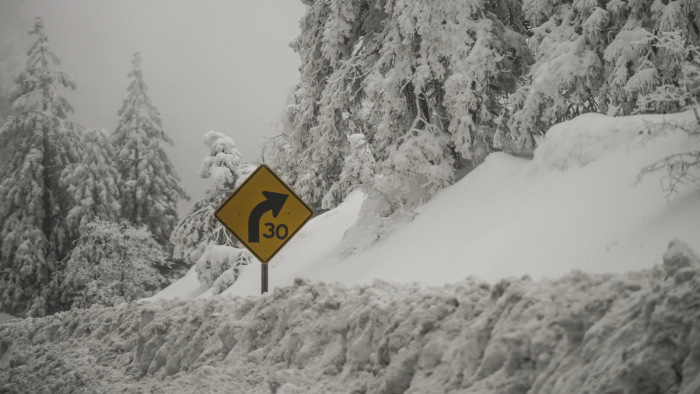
pixel 358 169
pixel 607 56
pixel 40 143
pixel 92 182
pixel 149 187
pixel 225 171
pixel 424 81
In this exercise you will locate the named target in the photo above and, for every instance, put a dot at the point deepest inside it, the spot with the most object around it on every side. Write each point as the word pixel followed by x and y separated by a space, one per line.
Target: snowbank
pixel 584 333
pixel 589 137
pixel 576 206
pixel 185 288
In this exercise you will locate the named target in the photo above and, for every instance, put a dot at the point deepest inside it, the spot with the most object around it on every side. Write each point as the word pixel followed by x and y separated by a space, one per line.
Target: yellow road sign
pixel 264 213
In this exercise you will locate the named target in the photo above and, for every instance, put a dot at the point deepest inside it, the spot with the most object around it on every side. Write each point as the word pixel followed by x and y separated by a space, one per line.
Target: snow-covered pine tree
pixel 568 76
pixel 277 149
pixel 318 115
pixel 358 169
pixel 110 264
pixel 40 143
pixel 424 81
pixel 651 51
pixel 598 56
pixel 149 187
pixel 199 229
pixel 675 91
pixel 92 182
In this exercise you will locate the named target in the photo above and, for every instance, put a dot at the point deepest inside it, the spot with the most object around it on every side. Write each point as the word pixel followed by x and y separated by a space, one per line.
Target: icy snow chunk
pixel 680 261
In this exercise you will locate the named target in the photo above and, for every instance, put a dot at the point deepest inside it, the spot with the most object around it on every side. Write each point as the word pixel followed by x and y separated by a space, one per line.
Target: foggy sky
pixel 222 65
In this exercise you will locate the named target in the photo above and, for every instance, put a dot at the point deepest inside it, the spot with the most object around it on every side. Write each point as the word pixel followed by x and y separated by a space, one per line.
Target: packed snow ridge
pixel 637 332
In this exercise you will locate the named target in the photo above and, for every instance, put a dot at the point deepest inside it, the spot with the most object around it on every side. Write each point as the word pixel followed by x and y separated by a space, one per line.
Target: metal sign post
pixel 263 277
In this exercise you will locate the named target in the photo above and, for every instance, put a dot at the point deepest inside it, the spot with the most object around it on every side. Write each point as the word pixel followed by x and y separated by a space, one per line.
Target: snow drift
pixel 577 205
pixel 584 333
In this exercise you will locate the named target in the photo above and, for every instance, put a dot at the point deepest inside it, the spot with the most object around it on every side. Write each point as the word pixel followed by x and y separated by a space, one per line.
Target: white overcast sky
pixel 222 65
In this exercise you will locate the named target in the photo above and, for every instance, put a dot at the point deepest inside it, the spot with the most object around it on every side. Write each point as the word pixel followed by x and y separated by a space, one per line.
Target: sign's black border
pixel 260 167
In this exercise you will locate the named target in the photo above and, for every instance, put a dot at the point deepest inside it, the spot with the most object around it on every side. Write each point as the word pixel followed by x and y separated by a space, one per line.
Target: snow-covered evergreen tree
pixel 424 81
pixel 651 51
pixel 318 114
pixel 92 182
pixel 568 76
pixel 600 57
pixel 150 188
pixel 40 143
pixel 225 171
pixel 676 90
pixel 110 264
pixel 358 169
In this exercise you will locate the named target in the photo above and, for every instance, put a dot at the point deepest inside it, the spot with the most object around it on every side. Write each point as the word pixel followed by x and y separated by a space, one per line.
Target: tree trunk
pixel 135 211
pixel 410 95
pixel 46 177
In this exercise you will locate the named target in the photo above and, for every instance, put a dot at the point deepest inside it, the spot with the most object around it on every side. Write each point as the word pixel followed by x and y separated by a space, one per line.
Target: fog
pixel 210 65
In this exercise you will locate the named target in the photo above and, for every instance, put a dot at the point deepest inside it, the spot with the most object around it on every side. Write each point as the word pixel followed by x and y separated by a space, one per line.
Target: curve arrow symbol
pixel 273 202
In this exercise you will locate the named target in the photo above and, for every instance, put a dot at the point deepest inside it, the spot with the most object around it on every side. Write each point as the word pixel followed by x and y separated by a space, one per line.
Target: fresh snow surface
pixel 636 332
pixel 576 205
pixel 186 288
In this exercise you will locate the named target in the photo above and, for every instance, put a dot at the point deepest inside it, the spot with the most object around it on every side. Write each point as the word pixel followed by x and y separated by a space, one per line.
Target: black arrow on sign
pixel 273 202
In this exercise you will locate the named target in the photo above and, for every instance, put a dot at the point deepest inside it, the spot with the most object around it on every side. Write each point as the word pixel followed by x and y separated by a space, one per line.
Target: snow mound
pixel 185 288
pixel 512 217
pixel 586 138
pixel 635 332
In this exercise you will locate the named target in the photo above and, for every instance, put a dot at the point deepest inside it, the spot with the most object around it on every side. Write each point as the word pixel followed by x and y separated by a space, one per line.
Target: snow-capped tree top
pixel 225 171
pixel 39 143
pixel 35 89
pixel 136 61
pixel 137 111
pixel 150 187
pixel 223 162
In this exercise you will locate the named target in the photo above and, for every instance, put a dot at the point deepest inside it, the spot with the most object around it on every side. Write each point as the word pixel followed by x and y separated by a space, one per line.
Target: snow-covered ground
pixel 576 205
pixel 458 327
pixel 627 333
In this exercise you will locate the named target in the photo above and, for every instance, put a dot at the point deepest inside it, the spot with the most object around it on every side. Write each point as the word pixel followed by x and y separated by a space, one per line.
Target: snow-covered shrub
pixel 680 168
pixel 110 264
pixel 218 259
pixel 225 171
pixel 677 88
pixel 225 280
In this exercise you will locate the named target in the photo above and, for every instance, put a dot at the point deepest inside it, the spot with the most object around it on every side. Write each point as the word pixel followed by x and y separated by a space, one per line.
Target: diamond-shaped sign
pixel 264 213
